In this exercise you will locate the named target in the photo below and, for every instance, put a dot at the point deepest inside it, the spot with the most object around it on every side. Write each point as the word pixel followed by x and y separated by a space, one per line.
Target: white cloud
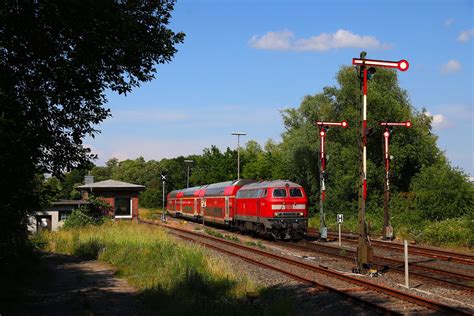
pixel 448 22
pixel 438 121
pixel 273 40
pixel 451 66
pixel 466 35
pixel 285 41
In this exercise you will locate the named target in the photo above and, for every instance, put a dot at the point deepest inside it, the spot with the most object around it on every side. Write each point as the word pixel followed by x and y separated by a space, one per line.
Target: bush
pixel 78 218
pixel 441 192
pixel 456 231
pixel 95 213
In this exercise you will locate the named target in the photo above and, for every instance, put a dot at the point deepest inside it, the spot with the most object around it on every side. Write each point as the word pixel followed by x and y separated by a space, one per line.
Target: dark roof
pixel 211 189
pixel 70 202
pixel 112 184
pixel 270 184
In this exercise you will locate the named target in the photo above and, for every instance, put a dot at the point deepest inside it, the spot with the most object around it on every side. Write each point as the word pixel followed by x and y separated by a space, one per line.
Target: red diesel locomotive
pixel 276 208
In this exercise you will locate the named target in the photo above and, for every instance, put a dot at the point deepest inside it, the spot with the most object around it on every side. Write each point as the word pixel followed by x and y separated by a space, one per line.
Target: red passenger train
pixel 277 208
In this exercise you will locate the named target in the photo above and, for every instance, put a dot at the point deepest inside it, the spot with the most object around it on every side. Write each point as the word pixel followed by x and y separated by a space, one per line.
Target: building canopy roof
pixel 112 184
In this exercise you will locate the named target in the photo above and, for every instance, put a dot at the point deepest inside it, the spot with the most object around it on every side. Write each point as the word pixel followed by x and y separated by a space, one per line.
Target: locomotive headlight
pixel 300 213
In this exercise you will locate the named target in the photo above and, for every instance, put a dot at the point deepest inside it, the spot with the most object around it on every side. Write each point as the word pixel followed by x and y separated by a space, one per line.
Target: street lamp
pixel 238 134
pixel 188 162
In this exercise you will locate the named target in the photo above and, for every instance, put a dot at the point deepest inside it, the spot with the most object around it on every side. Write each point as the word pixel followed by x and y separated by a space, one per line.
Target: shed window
pixel 63 215
pixel 123 207
pixel 279 193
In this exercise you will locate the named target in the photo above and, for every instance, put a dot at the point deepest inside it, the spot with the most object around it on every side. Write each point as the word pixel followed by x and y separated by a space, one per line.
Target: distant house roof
pixel 70 202
pixel 65 205
pixel 112 184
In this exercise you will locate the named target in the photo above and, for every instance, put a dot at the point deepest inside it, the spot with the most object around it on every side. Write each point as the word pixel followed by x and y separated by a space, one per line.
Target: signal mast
pixel 366 70
pixel 324 127
pixel 388 229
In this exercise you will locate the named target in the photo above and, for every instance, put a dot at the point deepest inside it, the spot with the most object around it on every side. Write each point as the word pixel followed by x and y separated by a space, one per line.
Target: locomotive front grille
pixel 288 214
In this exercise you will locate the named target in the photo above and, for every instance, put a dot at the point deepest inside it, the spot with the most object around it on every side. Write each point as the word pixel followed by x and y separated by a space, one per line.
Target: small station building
pixel 122 196
pixel 53 216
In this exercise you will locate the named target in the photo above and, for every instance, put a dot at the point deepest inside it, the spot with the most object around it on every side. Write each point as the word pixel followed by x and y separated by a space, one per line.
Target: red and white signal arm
pixel 343 124
pixel 401 65
pixel 407 124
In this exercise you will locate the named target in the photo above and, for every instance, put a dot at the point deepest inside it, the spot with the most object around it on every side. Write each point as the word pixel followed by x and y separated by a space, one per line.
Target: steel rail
pixel 289 274
pixel 445 255
pixel 379 262
pixel 338 275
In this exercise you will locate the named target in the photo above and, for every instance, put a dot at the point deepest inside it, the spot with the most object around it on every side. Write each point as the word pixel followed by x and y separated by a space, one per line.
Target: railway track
pixel 355 288
pixel 464 258
pixel 459 280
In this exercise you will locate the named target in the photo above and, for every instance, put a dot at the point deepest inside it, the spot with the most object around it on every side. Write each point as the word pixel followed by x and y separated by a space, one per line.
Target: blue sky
pixel 244 61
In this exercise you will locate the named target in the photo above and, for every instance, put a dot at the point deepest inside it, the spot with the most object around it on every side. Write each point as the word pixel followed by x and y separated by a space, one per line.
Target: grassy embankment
pixel 454 232
pixel 173 277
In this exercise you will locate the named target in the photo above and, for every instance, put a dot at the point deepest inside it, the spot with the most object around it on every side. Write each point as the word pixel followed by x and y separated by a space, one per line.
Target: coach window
pixel 295 192
pixel 279 193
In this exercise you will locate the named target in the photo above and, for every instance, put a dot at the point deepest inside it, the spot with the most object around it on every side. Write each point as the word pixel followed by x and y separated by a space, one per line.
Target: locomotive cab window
pixel 279 192
pixel 295 192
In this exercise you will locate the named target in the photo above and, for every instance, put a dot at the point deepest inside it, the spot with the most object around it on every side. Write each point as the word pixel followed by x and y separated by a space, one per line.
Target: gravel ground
pixel 306 299
pixel 447 295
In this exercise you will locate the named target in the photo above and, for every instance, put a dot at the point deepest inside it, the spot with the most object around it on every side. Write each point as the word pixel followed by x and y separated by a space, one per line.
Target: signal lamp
pixel 403 65
pixel 371 72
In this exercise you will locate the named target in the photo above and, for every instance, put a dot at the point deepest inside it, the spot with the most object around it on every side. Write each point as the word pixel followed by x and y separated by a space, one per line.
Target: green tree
pixel 441 192
pixel 412 148
pixel 214 166
pixel 57 59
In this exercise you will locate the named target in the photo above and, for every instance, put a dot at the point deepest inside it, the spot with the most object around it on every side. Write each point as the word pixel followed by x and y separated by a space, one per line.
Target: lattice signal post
pixel 388 229
pixel 324 127
pixel 366 70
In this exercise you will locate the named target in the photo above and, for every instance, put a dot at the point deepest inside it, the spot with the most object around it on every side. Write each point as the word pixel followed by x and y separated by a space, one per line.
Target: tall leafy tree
pixel 57 60
pixel 412 149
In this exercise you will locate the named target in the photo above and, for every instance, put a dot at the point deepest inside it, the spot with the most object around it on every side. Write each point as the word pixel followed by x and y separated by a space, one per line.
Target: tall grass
pixel 454 232
pixel 149 213
pixel 173 277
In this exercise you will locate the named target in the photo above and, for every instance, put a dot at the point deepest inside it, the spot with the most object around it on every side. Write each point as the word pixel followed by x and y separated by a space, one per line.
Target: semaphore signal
pixel 388 229
pixel 324 127
pixel 366 69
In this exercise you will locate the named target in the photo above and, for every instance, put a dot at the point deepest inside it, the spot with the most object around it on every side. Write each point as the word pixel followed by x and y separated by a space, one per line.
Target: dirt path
pixel 70 286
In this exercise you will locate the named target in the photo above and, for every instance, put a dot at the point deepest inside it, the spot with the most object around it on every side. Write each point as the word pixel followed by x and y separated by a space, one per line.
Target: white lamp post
pixel 188 162
pixel 238 134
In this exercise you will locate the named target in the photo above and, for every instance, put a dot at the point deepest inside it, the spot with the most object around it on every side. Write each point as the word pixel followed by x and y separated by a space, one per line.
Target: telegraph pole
pixel 388 229
pixel 364 249
pixel 324 127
